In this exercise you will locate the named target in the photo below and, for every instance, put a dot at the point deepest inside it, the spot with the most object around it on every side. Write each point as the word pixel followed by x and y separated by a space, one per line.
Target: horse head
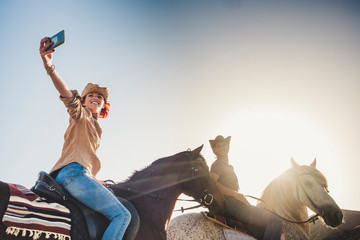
pixel 312 190
pixel 200 185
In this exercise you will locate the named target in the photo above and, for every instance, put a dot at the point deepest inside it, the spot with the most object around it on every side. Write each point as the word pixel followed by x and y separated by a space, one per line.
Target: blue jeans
pixel 77 181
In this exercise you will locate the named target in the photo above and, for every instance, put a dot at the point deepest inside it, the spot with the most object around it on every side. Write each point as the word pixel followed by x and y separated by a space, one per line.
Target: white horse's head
pixel 312 190
pixel 297 189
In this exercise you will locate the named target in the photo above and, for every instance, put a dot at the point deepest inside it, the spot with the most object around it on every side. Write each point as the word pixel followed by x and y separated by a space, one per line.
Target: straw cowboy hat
pixel 90 87
pixel 218 139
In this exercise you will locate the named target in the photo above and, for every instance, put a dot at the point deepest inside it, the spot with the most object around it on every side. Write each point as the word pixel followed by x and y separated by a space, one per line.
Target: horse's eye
pixel 326 189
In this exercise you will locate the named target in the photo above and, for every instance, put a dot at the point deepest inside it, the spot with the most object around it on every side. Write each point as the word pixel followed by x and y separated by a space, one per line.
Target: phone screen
pixel 57 40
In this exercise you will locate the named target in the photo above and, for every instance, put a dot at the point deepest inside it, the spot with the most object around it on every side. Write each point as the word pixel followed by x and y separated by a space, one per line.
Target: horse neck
pixel 157 190
pixel 280 197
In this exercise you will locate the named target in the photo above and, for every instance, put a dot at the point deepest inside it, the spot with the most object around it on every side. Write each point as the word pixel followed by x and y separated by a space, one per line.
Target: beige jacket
pixel 82 137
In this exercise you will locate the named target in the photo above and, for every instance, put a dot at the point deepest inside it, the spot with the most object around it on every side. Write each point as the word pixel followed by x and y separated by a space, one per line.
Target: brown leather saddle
pixel 96 223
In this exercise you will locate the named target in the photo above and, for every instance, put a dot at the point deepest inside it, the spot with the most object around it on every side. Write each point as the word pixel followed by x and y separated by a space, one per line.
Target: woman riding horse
pixel 237 206
pixel 78 165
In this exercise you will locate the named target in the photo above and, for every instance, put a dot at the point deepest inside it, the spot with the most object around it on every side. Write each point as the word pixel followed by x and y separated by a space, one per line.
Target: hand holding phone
pixel 57 40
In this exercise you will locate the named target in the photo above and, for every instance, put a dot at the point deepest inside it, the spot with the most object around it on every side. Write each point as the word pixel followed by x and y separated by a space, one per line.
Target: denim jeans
pixel 259 220
pixel 77 181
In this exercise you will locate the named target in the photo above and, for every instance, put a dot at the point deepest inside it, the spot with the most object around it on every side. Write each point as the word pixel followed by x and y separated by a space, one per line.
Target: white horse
pixel 289 196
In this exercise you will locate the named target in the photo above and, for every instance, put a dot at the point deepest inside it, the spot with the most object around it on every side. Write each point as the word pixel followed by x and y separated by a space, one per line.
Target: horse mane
pixel 148 170
pixel 159 175
pixel 280 195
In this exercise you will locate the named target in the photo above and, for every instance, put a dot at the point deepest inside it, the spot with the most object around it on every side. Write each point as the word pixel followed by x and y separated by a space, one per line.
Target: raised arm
pixel 47 57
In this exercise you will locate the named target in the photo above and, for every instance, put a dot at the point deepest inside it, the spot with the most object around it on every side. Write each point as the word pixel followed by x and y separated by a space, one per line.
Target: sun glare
pixel 265 139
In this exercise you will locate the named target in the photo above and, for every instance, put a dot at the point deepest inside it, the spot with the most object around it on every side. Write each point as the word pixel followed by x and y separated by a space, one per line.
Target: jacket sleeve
pixel 73 105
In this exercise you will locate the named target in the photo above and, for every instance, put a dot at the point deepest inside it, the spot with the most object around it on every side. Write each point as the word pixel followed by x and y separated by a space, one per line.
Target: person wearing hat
pixel 78 165
pixel 261 223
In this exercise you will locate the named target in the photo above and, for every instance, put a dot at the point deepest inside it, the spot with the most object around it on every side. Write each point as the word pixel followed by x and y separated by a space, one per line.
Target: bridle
pixel 314 205
pixel 208 198
pixel 312 219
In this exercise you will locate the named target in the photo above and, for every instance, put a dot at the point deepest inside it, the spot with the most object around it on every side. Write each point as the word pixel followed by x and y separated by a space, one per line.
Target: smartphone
pixel 57 40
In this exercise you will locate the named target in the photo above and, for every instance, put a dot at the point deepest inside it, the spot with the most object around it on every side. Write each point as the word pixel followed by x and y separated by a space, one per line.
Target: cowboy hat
pixel 90 87
pixel 218 139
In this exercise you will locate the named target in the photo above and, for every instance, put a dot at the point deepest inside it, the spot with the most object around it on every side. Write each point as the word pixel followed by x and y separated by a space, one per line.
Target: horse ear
pixel 197 151
pixel 294 164
pixel 313 164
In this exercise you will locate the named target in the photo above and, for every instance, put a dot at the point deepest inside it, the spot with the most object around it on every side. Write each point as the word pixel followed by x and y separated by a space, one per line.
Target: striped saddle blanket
pixel 29 213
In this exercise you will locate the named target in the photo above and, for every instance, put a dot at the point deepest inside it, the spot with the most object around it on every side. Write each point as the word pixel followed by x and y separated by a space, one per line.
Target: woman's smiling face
pixel 94 101
pixel 221 149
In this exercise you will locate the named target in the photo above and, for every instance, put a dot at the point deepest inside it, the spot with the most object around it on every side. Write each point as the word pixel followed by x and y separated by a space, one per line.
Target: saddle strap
pixel 222 221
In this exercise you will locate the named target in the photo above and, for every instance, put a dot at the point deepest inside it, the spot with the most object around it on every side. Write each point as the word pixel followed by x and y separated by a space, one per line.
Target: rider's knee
pixel 122 213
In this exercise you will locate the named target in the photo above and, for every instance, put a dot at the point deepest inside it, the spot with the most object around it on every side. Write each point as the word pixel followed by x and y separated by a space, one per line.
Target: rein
pixel 310 220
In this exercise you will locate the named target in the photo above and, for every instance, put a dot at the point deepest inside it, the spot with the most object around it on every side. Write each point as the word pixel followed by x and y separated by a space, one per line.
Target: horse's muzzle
pixel 332 217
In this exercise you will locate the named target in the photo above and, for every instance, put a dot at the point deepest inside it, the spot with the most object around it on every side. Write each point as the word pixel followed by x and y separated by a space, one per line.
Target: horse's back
pixel 195 226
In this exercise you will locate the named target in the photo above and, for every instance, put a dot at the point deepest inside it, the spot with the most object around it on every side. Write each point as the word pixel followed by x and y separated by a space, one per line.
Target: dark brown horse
pixel 154 190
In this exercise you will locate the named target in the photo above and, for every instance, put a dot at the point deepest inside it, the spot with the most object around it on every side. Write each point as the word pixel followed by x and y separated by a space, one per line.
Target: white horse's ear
pixel 313 164
pixel 294 164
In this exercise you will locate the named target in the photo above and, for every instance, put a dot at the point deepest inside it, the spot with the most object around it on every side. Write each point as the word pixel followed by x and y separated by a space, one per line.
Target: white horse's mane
pixel 280 196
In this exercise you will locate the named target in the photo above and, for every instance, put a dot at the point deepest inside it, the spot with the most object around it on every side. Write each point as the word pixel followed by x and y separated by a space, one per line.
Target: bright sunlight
pixel 265 139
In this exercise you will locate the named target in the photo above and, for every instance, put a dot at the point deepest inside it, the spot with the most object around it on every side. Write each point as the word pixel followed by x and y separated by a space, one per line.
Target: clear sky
pixel 281 77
